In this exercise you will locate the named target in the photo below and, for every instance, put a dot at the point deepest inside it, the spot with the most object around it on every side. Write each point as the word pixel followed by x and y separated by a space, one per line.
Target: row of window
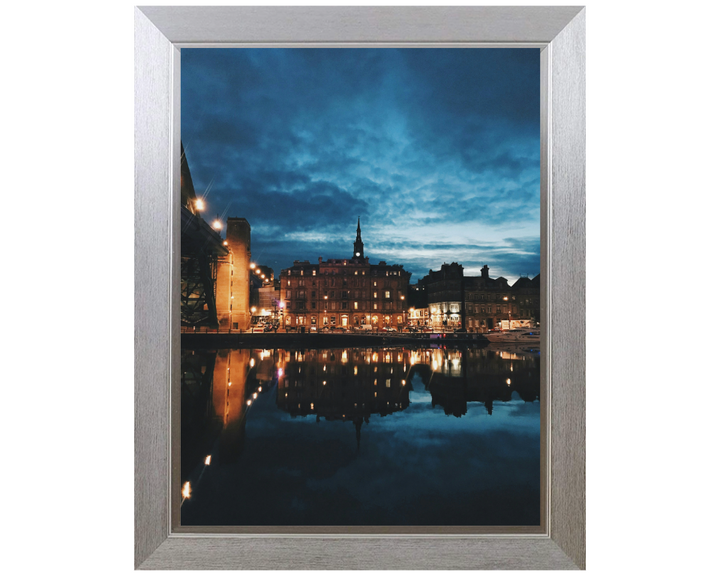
pixel 332 305
pixel 301 294
pixel 342 272
pixel 352 282
pixel 301 320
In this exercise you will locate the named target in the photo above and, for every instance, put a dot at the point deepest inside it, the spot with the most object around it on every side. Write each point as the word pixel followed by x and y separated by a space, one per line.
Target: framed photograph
pixel 360 256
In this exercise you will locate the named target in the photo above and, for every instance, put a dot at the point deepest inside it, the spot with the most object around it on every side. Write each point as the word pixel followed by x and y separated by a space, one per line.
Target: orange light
pixel 186 490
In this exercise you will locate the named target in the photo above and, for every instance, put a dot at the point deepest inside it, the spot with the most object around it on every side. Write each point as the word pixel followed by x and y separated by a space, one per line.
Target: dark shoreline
pixel 324 340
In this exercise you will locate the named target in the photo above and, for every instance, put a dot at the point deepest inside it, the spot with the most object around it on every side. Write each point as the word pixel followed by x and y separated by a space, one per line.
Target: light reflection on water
pixel 361 436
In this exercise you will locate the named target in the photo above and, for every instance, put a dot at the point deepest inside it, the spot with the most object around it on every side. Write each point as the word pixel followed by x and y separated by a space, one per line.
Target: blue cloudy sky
pixel 436 150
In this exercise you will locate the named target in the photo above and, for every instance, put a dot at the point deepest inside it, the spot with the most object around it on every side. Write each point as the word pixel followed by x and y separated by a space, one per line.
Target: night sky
pixel 436 150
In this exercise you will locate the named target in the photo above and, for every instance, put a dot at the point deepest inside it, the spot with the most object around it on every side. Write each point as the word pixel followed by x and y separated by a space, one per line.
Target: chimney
pixel 320 260
pixel 485 272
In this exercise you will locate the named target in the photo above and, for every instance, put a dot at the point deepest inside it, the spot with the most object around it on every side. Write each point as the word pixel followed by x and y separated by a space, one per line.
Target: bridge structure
pixel 215 282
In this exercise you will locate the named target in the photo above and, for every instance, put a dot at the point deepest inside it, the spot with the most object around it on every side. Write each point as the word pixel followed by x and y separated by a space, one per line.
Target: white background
pixel 67 246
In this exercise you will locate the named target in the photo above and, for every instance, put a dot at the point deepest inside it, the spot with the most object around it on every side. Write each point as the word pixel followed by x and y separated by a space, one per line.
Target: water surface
pixel 403 436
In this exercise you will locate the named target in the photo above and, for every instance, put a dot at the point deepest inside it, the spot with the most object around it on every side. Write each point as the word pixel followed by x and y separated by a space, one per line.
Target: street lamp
pixel 217 225
pixel 199 205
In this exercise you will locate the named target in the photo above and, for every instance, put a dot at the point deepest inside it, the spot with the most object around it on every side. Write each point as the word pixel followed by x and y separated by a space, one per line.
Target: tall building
pixel 344 293
pixel 233 278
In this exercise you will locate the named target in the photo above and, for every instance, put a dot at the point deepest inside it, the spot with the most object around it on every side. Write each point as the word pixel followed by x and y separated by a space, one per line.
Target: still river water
pixel 397 436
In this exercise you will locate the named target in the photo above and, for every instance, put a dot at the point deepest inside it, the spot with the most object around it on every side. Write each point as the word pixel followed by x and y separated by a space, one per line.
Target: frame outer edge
pixel 153 91
pixel 155 135
pixel 188 24
pixel 368 553
pixel 568 290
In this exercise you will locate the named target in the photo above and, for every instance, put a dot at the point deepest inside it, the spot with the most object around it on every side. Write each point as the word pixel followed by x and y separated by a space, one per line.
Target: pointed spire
pixel 358 252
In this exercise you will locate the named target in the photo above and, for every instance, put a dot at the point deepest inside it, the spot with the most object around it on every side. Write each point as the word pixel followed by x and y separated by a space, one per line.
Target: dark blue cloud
pixel 430 147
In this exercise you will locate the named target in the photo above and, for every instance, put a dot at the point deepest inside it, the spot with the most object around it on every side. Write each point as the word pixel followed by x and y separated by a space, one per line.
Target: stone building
pixel 445 296
pixel 344 293
pixel 526 299
pixel 487 301
pixel 479 303
pixel 493 303
pixel 418 311
pixel 233 278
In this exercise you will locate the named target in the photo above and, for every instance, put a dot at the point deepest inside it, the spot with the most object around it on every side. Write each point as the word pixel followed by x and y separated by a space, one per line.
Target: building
pixel 233 278
pixel 493 303
pixel 445 297
pixel 264 294
pixel 526 299
pixel 479 303
pixel 344 293
pixel 418 311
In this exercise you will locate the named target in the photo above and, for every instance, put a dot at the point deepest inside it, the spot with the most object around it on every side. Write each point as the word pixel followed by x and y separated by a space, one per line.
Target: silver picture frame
pixel 160 33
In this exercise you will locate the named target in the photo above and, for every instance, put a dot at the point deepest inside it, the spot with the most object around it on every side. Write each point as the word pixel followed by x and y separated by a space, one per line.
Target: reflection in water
pixel 241 435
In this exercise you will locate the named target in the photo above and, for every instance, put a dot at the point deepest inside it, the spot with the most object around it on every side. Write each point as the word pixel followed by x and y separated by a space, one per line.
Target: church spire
pixel 358 250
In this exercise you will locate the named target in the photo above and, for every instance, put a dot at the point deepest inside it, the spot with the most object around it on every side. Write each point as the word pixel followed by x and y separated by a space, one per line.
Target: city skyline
pixel 435 150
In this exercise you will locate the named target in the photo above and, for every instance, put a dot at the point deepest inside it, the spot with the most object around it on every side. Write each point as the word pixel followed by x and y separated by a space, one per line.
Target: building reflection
pixel 220 387
pixel 353 384
pixel 456 377
pixel 343 384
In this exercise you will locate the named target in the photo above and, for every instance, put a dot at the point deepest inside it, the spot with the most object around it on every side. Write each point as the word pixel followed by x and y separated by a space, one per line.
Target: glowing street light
pixel 252 265
pixel 207 461
pixel 217 225
pixel 186 490
pixel 199 205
